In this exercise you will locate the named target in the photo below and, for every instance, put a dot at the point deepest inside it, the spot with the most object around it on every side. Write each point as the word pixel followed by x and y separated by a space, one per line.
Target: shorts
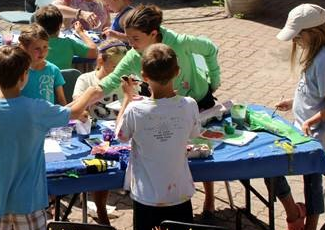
pixel 207 101
pixel 147 217
pixel 32 221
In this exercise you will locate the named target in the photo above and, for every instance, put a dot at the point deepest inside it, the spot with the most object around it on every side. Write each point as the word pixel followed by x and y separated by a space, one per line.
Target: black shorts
pixel 147 217
pixel 207 101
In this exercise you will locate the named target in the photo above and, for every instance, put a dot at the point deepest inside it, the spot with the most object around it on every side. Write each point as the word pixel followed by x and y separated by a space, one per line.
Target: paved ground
pixel 255 69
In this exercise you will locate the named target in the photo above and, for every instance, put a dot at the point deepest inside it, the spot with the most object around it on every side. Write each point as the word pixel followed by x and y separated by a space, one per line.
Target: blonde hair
pixel 31 33
pixel 316 40
pixel 112 49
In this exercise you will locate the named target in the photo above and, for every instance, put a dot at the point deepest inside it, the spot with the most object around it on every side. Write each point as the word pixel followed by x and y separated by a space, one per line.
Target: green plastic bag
pixel 260 120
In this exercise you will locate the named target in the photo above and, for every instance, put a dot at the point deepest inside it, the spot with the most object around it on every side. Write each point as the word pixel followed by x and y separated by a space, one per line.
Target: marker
pixel 125 78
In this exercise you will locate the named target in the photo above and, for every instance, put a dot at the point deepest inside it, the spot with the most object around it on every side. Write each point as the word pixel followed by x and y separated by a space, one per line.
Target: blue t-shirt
pixel 24 123
pixel 42 83
pixel 116 22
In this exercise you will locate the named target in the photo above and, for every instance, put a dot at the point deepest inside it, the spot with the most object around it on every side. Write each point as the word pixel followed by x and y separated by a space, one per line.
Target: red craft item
pixel 210 134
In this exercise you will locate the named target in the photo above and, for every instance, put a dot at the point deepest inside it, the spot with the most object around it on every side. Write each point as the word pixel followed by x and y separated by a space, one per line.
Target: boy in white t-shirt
pixel 158 174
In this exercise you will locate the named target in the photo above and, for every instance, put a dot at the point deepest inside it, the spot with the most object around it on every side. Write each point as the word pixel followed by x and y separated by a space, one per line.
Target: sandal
pixel 299 223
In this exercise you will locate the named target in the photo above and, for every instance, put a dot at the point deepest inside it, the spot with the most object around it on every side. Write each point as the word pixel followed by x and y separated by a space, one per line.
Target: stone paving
pixel 255 69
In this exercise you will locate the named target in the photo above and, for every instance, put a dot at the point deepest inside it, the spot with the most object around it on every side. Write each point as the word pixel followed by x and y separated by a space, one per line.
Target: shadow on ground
pixel 225 217
pixel 274 12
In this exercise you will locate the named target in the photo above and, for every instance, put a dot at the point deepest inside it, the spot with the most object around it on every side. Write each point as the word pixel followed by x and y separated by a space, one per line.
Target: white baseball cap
pixel 301 17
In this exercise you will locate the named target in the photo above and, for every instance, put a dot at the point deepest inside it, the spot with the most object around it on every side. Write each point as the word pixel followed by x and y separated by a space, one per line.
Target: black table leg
pixel 57 208
pixel 271 203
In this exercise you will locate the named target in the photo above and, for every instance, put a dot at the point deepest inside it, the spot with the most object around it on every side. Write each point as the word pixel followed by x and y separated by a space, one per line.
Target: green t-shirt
pixel 62 50
pixel 191 81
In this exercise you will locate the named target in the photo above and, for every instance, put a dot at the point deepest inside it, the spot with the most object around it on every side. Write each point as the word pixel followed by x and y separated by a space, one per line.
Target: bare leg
pixel 290 207
pixel 100 199
pixel 311 222
pixel 209 196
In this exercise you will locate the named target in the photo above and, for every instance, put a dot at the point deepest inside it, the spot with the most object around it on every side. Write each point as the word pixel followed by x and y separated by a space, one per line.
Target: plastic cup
pixel 7 37
pixel 54 134
pixel 230 128
pixel 83 129
pixel 99 23
pixel 238 115
pixel 66 136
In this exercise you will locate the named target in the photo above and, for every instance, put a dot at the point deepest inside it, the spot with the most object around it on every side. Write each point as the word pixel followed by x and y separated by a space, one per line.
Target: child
pixel 110 53
pixel 24 123
pixel 143 28
pixel 62 50
pixel 45 79
pixel 93 14
pixel 306 28
pixel 161 183
pixel 121 7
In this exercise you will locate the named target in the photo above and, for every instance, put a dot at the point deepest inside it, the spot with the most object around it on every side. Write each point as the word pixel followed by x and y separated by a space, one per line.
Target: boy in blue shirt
pixel 24 123
pixel 45 79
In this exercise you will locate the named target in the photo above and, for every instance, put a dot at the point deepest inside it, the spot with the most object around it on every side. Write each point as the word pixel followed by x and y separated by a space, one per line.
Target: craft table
pixel 258 159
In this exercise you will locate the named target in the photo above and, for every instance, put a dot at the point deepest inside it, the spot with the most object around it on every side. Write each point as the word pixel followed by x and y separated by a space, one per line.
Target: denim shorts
pixel 313 190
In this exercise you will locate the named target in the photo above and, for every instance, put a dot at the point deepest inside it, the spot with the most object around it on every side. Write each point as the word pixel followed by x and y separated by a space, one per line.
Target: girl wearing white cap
pixel 305 26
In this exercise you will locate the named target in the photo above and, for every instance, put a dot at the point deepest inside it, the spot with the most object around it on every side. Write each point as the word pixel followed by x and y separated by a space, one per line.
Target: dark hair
pixel 145 18
pixel 31 33
pixel 50 18
pixel 159 63
pixel 14 61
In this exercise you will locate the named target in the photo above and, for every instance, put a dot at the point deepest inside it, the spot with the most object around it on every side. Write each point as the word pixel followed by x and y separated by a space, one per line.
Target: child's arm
pixel 205 47
pixel 78 106
pixel 60 97
pixel 127 87
pixel 115 34
pixel 318 117
pixel 92 51
pixel 284 105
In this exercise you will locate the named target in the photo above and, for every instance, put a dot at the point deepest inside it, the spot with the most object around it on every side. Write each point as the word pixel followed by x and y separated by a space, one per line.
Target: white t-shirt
pixel 158 173
pixel 98 110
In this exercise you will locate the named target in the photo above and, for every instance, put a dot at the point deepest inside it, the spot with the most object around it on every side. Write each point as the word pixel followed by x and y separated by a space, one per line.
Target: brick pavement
pixel 255 69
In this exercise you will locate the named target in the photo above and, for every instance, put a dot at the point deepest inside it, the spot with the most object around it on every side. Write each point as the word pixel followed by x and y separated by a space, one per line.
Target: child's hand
pixel 127 86
pixel 284 105
pixel 84 116
pixel 110 33
pixel 78 27
pixel 91 18
pixel 306 128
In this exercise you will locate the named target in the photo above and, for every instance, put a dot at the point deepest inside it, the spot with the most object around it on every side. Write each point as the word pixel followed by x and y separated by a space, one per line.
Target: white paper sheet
pixel 53 151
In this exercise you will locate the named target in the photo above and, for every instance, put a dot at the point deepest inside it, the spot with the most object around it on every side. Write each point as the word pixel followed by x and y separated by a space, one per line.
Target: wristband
pixel 78 13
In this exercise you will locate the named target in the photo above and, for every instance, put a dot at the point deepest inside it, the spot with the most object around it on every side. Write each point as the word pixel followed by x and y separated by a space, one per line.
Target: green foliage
pixel 239 15
pixel 219 2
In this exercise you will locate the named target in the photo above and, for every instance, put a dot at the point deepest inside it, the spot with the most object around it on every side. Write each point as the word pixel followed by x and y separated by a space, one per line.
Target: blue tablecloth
pixel 258 159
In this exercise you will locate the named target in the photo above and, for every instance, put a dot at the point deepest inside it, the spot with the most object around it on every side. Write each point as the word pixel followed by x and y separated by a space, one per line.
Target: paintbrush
pixel 276 107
